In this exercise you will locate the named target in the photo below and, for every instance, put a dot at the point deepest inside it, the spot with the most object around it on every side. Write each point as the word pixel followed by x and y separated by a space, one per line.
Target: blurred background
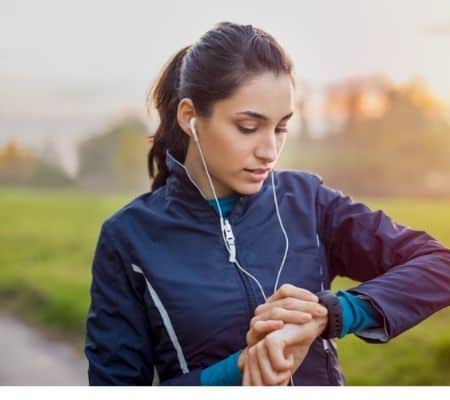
pixel 372 118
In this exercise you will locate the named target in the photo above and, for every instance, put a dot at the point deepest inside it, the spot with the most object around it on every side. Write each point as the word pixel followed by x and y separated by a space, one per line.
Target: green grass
pixel 47 244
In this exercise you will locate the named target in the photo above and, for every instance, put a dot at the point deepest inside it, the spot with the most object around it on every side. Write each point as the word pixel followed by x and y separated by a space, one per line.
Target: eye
pixel 281 130
pixel 246 130
pixel 251 130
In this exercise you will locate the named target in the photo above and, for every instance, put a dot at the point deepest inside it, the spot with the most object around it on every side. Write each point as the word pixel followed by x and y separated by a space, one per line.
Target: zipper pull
pixel 229 236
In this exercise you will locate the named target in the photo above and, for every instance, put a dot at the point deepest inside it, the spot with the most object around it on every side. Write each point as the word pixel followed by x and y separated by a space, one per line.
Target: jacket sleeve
pixel 405 272
pixel 118 341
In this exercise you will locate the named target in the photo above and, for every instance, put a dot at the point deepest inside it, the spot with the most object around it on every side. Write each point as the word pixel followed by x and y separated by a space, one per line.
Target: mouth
pixel 258 170
pixel 257 174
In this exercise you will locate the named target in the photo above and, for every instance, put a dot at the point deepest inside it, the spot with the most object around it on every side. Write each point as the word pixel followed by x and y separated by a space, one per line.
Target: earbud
pixel 192 125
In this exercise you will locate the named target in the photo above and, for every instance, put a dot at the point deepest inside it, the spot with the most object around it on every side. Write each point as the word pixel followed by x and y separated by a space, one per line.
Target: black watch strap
pixel 331 302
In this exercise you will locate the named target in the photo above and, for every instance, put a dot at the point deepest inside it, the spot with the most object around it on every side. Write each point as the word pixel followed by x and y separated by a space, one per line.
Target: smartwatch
pixel 330 301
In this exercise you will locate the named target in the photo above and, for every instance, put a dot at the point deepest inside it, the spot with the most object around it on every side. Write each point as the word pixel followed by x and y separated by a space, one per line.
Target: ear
pixel 185 112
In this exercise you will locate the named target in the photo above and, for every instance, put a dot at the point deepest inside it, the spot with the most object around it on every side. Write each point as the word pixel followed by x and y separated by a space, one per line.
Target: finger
pixel 246 378
pixel 266 325
pixel 275 347
pixel 291 303
pixel 286 381
pixel 288 290
pixel 269 375
pixel 259 329
pixel 255 373
pixel 299 353
pixel 287 316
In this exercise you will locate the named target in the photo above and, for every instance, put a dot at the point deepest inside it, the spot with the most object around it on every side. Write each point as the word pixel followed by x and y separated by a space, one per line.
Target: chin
pixel 249 189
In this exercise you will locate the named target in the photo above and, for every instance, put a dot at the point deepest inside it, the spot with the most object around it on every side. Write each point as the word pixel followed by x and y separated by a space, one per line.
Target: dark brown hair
pixel 221 61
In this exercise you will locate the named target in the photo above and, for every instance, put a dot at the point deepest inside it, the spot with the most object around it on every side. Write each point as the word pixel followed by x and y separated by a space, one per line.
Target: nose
pixel 266 149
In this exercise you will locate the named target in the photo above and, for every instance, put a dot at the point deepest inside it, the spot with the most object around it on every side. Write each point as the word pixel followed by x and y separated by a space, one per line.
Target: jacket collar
pixel 180 185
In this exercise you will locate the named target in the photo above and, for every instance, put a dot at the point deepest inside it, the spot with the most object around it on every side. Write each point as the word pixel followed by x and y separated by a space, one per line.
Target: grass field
pixel 47 243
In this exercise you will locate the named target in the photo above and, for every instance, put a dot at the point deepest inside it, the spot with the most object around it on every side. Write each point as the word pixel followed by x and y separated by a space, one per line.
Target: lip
pixel 257 175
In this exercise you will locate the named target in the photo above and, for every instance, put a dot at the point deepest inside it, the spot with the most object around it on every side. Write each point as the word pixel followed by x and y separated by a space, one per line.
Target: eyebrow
pixel 261 116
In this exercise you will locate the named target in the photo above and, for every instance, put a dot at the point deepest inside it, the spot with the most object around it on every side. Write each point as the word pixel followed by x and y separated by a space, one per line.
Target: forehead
pixel 267 94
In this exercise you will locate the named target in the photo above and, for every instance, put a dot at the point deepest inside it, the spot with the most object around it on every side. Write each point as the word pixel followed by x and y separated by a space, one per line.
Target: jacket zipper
pixel 331 374
pixel 325 344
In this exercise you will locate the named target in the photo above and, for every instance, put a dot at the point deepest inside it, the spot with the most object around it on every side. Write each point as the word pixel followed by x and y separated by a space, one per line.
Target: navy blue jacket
pixel 164 295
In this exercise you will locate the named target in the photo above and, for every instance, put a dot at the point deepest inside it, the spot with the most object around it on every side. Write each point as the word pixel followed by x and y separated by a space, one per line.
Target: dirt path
pixel 27 357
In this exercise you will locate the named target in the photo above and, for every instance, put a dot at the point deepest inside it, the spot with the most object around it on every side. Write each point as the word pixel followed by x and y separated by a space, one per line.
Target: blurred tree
pixel 48 175
pixel 384 140
pixel 17 164
pixel 115 160
pixel 20 166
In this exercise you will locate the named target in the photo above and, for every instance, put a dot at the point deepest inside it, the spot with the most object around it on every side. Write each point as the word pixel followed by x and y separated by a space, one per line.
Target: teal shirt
pixel 226 204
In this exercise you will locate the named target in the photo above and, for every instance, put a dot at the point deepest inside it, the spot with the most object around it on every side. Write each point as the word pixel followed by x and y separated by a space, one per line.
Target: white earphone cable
pixel 284 233
pixel 227 233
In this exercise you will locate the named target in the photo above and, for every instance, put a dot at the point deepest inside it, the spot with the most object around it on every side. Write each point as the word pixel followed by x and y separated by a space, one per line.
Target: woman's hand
pixel 274 359
pixel 260 328
pixel 275 349
pixel 289 304
pixel 258 369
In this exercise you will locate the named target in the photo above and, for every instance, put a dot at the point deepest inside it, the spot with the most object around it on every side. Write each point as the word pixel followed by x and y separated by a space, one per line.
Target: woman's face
pixel 244 132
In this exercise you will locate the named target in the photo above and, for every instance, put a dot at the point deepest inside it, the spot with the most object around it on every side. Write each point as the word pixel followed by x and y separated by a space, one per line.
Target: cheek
pixel 229 150
pixel 241 154
pixel 224 152
pixel 232 148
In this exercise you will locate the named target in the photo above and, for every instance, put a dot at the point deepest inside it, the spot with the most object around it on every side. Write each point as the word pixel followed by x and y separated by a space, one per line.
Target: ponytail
pixel 169 136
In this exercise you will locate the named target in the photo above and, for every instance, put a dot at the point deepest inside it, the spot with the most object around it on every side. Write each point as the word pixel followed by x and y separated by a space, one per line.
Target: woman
pixel 220 274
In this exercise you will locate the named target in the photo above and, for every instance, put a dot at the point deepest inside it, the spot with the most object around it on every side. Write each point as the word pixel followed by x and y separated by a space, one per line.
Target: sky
pixel 68 68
